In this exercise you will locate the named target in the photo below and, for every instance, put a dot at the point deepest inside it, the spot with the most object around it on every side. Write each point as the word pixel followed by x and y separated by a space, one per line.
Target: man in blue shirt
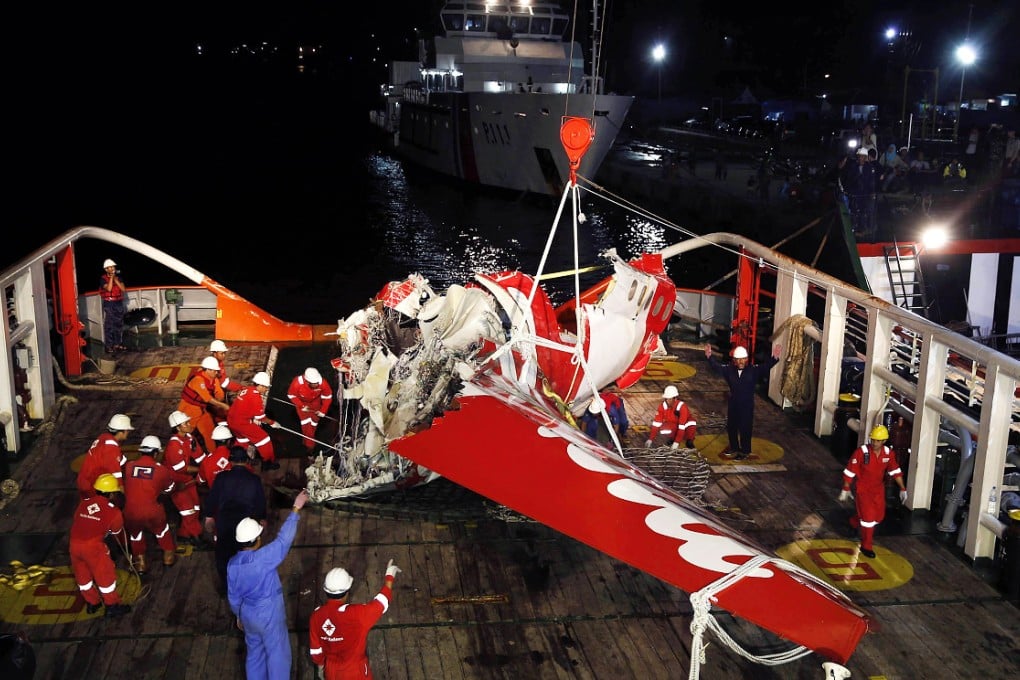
pixel 255 595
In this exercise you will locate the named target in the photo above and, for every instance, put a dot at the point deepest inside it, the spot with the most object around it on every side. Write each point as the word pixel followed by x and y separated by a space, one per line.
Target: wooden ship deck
pixel 485 594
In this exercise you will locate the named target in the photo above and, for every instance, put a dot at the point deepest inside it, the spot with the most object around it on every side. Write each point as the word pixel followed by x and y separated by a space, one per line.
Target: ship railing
pixel 911 366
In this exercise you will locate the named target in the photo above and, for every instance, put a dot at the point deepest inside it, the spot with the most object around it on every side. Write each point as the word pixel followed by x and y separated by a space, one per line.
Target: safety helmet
pixel 670 392
pixel 106 483
pixel 221 433
pixel 150 443
pixel 338 581
pixel 879 433
pixel 740 352
pixel 863 151
pixel 312 376
pixel 218 346
pixel 178 417
pixel 261 378
pixel 210 363
pixel 108 263
pixel 596 406
pixel 118 422
pixel 247 530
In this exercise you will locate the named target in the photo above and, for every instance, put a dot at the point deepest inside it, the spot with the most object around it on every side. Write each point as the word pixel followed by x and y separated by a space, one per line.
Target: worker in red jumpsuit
pixel 338 631
pixel 246 417
pixel 183 455
pixel 673 421
pixel 104 456
pixel 145 480
pixel 311 396
pixel 218 459
pixel 95 518
pixel 202 398
pixel 868 467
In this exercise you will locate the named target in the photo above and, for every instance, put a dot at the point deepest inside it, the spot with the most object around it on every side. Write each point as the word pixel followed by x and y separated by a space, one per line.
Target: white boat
pixel 486 100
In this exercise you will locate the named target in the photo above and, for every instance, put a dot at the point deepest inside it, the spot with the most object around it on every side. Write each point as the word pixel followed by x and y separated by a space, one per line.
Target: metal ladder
pixel 906 281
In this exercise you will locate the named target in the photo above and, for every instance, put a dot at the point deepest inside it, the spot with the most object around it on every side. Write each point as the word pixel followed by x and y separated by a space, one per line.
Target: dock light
pixel 658 54
pixel 935 236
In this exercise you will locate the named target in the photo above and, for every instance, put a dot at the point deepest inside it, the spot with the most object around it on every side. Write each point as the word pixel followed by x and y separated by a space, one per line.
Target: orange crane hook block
pixel 576 135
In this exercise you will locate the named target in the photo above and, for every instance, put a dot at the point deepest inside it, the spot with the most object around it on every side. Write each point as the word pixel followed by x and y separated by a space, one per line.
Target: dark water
pixel 280 192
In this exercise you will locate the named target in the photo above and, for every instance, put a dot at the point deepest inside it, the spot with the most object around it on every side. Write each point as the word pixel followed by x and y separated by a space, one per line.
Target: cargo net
pixel 682 470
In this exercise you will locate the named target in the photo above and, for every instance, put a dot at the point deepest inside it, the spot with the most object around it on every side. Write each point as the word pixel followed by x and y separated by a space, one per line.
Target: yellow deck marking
pixel 763 451
pixel 57 600
pixel 671 371
pixel 840 562
pixel 169 372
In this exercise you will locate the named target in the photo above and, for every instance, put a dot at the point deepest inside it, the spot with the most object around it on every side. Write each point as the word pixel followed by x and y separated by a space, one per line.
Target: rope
pixel 797 384
pixel 702 600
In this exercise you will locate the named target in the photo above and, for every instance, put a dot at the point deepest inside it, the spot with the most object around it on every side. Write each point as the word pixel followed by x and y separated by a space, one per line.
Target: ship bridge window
pixel 474 23
pixel 453 22
pixel 559 26
pixel 540 26
pixel 519 24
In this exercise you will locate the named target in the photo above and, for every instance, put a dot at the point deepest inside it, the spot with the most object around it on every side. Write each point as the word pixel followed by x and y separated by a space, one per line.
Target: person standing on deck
pixel 338 631
pixel 145 480
pixel 218 349
pixel 742 379
pixel 255 594
pixel 594 425
pixel 672 420
pixel 200 395
pixel 183 455
pixel 113 293
pixel 93 568
pixel 104 456
pixel 237 493
pixel 868 466
pixel 246 417
pixel 218 460
pixel 311 396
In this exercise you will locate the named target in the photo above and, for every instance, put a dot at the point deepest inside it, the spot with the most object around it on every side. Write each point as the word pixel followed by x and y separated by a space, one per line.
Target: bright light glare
pixel 658 52
pixel 935 237
pixel 890 33
pixel 966 55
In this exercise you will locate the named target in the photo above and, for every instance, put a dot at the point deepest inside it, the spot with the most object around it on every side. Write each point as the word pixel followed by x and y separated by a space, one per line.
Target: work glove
pixel 675 446
pixel 320 414
pixel 648 443
pixel 391 569
pixel 903 496
pixel 275 425
pixel 845 496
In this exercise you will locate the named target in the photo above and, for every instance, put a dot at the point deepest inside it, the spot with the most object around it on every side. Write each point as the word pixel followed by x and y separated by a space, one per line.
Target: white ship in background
pixel 486 100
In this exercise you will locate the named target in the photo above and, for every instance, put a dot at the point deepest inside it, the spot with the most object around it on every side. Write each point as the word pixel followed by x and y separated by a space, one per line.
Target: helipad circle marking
pixel 669 370
pixel 840 562
pixel 762 450
pixel 57 598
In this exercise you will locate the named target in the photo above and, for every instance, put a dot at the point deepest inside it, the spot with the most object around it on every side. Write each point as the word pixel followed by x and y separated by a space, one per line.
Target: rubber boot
pixel 867 535
pixel 140 566
pixel 169 557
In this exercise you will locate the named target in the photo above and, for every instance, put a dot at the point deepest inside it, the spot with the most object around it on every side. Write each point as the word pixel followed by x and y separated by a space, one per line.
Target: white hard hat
pixel 108 263
pixel 863 151
pixel 261 378
pixel 247 530
pixel 221 433
pixel 740 352
pixel 211 363
pixel 178 417
pixel 312 376
pixel 119 422
pixel 337 582
pixel 218 346
pixel 670 392
pixel 596 406
pixel 150 443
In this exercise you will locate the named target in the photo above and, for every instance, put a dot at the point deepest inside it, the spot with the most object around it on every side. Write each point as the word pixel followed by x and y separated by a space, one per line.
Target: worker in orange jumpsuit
pixel 338 630
pixel 93 568
pixel 183 455
pixel 218 459
pixel 145 480
pixel 868 467
pixel 673 420
pixel 200 397
pixel 311 396
pixel 246 417
pixel 104 456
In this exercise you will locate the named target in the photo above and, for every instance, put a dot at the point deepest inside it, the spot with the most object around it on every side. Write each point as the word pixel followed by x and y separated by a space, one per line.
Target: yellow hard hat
pixel 879 433
pixel 106 483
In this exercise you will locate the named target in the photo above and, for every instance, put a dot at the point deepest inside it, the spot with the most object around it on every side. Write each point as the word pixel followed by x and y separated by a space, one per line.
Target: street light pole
pixel 965 55
pixel 658 54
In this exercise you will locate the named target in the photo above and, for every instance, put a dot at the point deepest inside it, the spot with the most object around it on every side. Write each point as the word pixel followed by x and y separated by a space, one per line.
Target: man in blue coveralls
pixel 255 595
